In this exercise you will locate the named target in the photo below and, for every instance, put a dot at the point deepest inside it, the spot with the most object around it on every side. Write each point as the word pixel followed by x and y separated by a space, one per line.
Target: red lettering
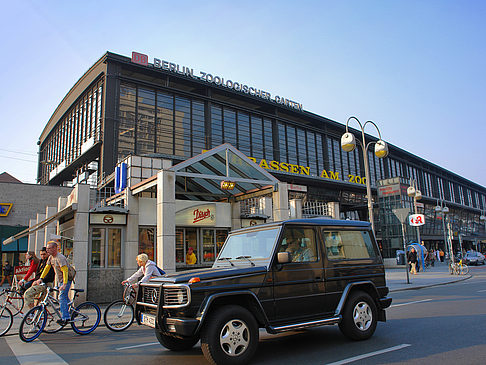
pixel 201 215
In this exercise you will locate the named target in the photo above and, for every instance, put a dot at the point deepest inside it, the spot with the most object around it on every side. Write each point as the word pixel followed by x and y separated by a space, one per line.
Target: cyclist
pixel 33 261
pixel 65 275
pixel 38 290
pixel 147 269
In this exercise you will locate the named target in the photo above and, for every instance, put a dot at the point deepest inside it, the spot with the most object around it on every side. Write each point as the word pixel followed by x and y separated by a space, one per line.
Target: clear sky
pixel 416 68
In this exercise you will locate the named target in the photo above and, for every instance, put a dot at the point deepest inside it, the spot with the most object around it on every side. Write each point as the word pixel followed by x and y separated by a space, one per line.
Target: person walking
pixel 64 274
pixel 441 254
pixel 412 260
pixel 7 273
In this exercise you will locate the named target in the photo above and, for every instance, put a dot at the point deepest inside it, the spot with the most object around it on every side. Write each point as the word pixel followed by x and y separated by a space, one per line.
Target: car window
pixel 300 243
pixel 348 244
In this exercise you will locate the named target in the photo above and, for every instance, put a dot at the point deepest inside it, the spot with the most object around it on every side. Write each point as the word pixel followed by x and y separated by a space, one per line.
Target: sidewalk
pixel 396 278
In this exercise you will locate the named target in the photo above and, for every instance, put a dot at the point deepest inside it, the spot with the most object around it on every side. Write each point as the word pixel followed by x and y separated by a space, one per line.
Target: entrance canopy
pixel 201 177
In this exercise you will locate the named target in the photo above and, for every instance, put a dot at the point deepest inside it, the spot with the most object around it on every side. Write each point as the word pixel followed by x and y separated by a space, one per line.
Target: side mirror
pixel 283 257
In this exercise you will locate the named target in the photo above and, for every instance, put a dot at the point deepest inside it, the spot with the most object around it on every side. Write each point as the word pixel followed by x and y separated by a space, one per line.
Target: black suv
pixel 282 276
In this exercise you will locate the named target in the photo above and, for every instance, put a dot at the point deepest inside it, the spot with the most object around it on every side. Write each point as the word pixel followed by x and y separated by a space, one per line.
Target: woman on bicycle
pixel 147 269
pixel 33 261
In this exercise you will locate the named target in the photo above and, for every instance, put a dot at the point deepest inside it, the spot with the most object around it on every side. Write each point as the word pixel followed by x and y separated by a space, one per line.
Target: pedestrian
pixel 7 273
pixel 64 273
pixel 441 254
pixel 412 260
pixel 190 256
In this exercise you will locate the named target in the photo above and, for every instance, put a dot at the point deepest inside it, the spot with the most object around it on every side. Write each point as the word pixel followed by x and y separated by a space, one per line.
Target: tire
pixel 229 336
pixel 174 343
pixel 359 316
pixel 85 318
pixel 32 324
pixel 51 322
pixel 118 316
pixel 6 320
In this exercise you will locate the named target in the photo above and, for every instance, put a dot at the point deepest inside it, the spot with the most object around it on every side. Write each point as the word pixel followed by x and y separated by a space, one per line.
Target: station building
pixel 151 146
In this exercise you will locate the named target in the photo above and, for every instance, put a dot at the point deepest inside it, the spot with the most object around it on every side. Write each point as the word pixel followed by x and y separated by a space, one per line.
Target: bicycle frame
pixel 8 299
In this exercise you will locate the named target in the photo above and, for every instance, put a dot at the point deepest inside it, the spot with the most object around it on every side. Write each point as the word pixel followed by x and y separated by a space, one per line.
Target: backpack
pixel 162 272
pixel 71 273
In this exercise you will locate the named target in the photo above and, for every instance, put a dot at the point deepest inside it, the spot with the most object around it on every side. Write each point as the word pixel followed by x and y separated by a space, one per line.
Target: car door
pixel 298 284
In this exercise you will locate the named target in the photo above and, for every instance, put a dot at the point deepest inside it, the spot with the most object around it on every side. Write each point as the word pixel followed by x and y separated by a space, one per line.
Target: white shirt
pixel 146 272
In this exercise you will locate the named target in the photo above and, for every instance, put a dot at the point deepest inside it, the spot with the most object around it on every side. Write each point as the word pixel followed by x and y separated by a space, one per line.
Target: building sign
pixel 5 208
pixel 390 190
pixel 301 188
pixel 416 220
pixel 112 219
pixel 142 59
pixel 305 170
pixel 21 270
pixel 199 215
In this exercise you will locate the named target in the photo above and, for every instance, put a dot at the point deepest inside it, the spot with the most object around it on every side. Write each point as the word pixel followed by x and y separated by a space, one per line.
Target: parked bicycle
pixel 119 314
pixel 458 268
pixel 83 319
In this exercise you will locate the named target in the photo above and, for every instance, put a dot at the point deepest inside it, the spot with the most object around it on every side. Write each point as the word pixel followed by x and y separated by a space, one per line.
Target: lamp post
pixel 413 192
pixel 348 144
pixel 442 208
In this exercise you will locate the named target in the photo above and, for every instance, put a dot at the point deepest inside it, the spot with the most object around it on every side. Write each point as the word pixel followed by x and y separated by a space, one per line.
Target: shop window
pixel 146 242
pixel 208 245
pixel 191 247
pixel 105 247
pixel 198 246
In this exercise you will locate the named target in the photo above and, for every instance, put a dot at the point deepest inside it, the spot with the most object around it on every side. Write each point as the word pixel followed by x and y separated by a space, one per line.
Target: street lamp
pixel 348 144
pixel 413 192
pixel 442 208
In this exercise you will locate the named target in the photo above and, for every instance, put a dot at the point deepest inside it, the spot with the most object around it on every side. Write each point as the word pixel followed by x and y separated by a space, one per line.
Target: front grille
pixel 176 296
pixel 150 295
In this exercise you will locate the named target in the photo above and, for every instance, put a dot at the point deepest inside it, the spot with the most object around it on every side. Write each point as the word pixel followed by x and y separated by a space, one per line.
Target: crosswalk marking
pixel 33 353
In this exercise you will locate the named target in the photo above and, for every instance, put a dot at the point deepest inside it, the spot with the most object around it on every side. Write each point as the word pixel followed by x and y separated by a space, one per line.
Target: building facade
pixel 125 108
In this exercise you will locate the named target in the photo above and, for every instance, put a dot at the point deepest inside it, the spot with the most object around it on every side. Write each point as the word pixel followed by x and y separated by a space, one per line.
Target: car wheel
pixel 176 344
pixel 359 316
pixel 229 336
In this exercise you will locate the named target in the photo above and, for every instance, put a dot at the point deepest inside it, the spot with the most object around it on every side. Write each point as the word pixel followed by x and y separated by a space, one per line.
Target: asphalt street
pixel 441 324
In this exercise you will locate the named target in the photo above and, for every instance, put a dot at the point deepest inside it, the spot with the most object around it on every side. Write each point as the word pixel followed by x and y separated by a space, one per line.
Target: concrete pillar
pixel 334 211
pixel 267 206
pixel 80 238
pixel 295 208
pixel 131 241
pixel 39 234
pixel 166 220
pixel 281 202
pixel 51 228
pixel 31 244
pixel 235 215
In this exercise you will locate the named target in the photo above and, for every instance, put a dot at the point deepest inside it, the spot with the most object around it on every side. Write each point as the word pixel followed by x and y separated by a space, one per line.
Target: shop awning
pixel 42 224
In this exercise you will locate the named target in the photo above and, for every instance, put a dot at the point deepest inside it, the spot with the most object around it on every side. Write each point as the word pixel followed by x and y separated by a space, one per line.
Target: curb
pixel 469 276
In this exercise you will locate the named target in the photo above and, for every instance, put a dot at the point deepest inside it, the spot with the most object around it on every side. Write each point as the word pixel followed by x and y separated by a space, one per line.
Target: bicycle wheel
pixel 118 316
pixel 6 320
pixel 51 322
pixel 129 295
pixel 464 269
pixel 33 324
pixel 85 318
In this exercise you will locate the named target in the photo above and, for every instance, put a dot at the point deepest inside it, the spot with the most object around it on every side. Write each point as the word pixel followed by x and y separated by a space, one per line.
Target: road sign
pixel 416 220
pixel 402 214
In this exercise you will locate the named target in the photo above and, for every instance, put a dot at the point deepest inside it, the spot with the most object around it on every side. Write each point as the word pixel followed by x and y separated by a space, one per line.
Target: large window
pixel 146 241
pixel 198 247
pixel 348 245
pixel 300 243
pixel 105 247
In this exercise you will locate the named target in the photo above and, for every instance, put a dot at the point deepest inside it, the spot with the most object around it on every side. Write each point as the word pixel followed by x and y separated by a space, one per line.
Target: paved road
pixel 443 324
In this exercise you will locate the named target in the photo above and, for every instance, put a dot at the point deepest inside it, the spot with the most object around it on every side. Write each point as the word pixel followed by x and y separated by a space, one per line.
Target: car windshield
pixel 249 246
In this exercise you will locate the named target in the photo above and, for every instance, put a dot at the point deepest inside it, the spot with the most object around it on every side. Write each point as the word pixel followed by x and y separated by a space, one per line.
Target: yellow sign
pixel 5 208
pixel 227 185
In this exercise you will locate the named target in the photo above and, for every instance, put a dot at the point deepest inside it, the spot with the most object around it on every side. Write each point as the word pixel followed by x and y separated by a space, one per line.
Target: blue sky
pixel 416 68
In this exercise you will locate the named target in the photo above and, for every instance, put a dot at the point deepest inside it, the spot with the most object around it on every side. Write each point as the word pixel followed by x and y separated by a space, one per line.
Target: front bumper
pixel 180 326
pixel 385 302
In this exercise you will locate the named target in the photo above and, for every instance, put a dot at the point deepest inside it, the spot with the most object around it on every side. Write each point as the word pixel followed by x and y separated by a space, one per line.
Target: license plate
pixel 147 320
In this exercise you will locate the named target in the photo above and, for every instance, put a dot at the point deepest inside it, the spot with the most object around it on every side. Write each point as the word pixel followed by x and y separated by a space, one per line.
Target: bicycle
pixel 458 268
pixel 13 300
pixel 6 319
pixel 83 319
pixel 119 315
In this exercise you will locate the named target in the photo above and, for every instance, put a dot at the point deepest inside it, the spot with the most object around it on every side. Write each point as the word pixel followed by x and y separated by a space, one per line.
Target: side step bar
pixel 296 326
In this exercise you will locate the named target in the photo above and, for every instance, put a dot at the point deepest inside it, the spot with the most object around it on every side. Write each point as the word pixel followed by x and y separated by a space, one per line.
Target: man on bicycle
pixel 64 274
pixel 35 290
pixel 148 269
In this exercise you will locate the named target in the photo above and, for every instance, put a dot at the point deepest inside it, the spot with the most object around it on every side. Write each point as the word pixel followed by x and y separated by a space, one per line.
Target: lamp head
pixel 381 149
pixel 445 210
pixel 411 191
pixel 348 142
pixel 418 195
